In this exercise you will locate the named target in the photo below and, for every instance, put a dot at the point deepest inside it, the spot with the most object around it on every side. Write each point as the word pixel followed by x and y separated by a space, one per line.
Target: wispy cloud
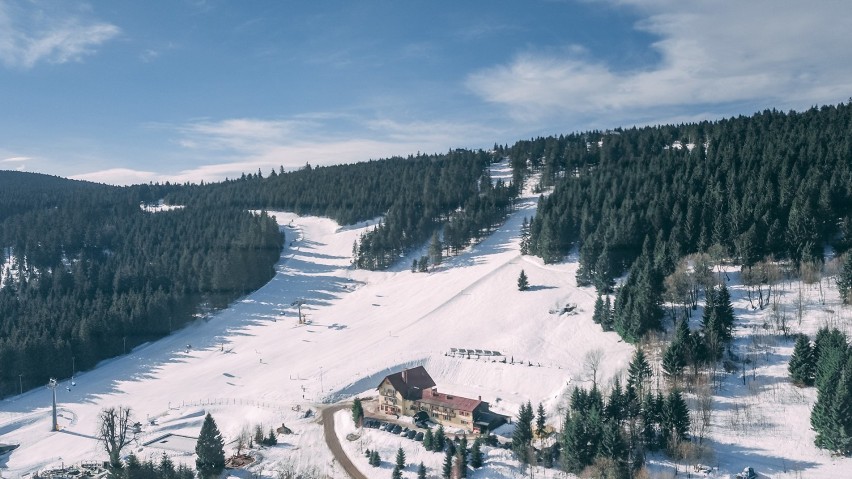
pixel 712 53
pixel 235 146
pixel 30 34
pixel 16 159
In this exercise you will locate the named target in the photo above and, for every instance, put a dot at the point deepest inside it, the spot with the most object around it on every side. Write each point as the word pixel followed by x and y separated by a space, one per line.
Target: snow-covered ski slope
pixel 253 363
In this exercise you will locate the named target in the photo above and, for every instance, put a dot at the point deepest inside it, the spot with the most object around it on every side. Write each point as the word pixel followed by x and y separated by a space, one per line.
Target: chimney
pixel 480 398
pixel 405 376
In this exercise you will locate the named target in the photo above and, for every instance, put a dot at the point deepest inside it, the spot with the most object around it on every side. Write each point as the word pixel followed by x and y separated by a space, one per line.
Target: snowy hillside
pixel 254 363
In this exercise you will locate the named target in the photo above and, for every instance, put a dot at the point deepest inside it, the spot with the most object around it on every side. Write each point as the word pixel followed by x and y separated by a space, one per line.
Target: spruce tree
pixel 447 469
pixel 421 471
pixel 461 457
pixel 674 360
pixel 210 450
pixel 428 440
pixel 844 279
pixel 523 282
pixel 439 440
pixel 675 417
pixel 607 319
pixel 271 438
pixel 400 459
pixel 638 372
pixel 396 473
pixel 435 249
pixel 523 433
pixel 476 454
pixel 166 468
pixel 525 237
pixel 540 422
pixel 801 366
pixel 357 412
pixel 599 313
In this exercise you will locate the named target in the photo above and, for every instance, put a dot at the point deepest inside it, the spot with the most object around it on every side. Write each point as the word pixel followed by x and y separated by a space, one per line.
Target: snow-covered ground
pixel 255 364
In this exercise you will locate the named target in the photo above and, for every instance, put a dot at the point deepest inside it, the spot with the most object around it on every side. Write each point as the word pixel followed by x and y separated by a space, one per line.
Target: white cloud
pixel 15 159
pixel 762 52
pixel 31 34
pixel 232 147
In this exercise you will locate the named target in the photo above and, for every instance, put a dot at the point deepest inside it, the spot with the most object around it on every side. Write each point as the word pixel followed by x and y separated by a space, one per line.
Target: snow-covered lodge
pixel 412 391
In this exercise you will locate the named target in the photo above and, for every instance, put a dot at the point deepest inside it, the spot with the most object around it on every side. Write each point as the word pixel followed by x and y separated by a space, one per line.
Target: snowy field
pixel 254 364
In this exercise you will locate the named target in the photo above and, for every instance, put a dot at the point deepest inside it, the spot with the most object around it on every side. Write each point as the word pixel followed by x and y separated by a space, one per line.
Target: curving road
pixel 333 442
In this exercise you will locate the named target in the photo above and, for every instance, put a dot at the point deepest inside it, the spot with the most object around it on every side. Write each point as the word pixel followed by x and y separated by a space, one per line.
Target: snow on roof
pixel 433 397
pixel 410 381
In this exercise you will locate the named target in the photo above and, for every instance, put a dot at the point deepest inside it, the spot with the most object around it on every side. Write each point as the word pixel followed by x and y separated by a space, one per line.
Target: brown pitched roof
pixel 433 397
pixel 410 382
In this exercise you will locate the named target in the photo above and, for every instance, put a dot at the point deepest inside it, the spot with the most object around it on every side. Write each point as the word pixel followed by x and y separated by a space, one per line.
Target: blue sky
pixel 124 91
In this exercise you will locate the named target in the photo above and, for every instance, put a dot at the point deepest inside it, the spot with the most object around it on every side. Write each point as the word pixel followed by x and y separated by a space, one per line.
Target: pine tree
pixel 802 364
pixel 844 279
pixel 523 433
pixel 461 457
pixel 523 282
pixel 675 417
pixel 540 422
pixel 638 372
pixel 428 440
pixel 602 276
pixel 831 417
pixel 435 249
pixel 439 441
pixel 447 469
pixel 258 435
pixel 166 468
pixel 574 444
pixel 132 466
pixel 375 459
pixel 525 237
pixel 357 412
pixel 400 459
pixel 607 319
pixel 271 438
pixel 599 313
pixel 476 454
pixel 421 471
pixel 396 474
pixel 674 360
pixel 210 450
pixel 724 311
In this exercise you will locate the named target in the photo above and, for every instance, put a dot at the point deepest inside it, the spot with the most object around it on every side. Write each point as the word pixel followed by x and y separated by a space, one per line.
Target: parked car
pixel 411 434
pixel 396 429
pixel 418 436
pixel 385 426
pixel 748 473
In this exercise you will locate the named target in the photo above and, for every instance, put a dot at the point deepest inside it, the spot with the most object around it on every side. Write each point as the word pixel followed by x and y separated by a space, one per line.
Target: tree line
pixel 775 184
pixel 89 274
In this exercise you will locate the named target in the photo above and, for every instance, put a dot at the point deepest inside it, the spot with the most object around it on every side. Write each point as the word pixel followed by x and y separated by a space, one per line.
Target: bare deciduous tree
pixel 591 363
pixel 114 432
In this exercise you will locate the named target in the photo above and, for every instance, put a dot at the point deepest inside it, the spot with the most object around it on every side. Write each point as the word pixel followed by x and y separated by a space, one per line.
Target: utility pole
pixel 52 386
pixel 21 382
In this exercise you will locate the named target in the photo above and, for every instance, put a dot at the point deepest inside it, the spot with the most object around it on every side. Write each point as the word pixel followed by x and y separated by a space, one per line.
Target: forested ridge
pixel 89 267
pixel 775 185
pixel 90 274
pixel 416 196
